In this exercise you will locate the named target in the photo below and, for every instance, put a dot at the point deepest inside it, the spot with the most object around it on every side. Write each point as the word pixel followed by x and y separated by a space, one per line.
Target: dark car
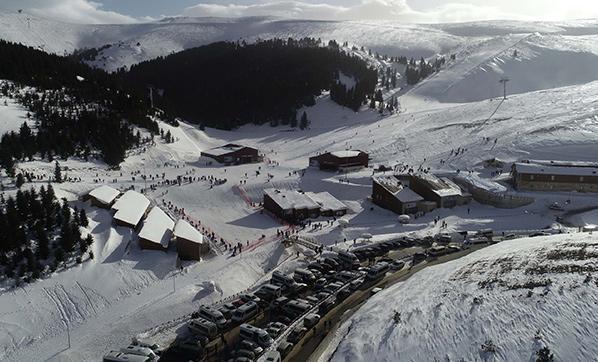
pixel 296 334
pixel 419 257
pixel 333 264
pixel 316 266
pixel 320 283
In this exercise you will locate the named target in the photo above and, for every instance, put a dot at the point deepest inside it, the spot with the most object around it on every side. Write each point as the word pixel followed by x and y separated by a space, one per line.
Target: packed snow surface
pixel 521 295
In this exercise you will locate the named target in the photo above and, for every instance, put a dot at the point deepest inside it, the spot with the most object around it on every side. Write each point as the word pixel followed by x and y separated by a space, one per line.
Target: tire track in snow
pixel 70 304
pixel 58 306
pixel 87 297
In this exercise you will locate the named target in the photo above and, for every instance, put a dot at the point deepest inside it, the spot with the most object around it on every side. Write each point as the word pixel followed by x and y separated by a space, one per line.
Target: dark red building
pixel 232 154
pixel 340 160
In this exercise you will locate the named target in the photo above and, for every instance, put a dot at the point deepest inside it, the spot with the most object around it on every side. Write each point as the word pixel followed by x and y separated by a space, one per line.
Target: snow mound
pixel 517 296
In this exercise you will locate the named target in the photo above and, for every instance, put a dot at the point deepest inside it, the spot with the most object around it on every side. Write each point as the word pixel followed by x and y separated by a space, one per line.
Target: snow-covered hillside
pixel 125 291
pixel 522 295
pixel 548 54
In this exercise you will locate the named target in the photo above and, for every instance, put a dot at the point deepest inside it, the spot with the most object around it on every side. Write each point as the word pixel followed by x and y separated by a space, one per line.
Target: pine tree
pixel 544 355
pixel 20 180
pixel 57 173
pixel 293 122
pixel 83 221
pixel 304 123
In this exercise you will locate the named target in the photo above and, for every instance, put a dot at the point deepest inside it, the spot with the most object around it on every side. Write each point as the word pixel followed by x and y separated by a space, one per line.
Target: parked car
pixel 354 285
pixel 296 334
pixel 244 353
pixel 245 312
pixel 279 302
pixel 311 320
pixel 376 290
pixel 320 283
pixel 274 329
pixel 397 265
pixel 203 327
pixel 510 237
pixel 251 346
pixel 343 294
pixel 270 356
pixel 227 310
pixel 284 348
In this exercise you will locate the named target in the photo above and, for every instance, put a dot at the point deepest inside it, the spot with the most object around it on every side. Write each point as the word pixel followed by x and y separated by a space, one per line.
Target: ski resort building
pixel 190 243
pixel 444 192
pixel 294 206
pixel 130 208
pixel 340 160
pixel 290 205
pixel 392 193
pixel 156 232
pixel 104 196
pixel 542 175
pixel 232 154
pixel 329 205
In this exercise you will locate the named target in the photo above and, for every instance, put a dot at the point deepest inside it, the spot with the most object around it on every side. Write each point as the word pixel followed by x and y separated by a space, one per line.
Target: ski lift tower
pixel 504 84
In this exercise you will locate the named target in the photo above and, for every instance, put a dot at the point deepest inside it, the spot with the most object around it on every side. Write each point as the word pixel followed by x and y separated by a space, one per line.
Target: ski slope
pixel 522 295
pixel 125 291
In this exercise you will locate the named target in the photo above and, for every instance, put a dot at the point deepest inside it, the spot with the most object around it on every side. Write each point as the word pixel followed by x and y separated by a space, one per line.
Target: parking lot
pixel 289 316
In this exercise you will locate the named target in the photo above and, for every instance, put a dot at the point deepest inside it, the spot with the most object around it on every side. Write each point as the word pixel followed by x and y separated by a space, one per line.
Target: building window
pixel 580 178
pixel 551 178
pixel 531 177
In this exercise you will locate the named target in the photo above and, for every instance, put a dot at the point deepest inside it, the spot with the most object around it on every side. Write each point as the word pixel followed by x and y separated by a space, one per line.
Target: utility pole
pixel 504 84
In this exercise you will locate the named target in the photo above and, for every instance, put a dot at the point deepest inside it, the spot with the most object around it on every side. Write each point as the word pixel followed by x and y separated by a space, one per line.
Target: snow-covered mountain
pixel 126 291
pixel 521 295
pixel 535 55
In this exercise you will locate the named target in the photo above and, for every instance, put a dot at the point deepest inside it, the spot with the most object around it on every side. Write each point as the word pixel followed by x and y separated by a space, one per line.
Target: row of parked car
pixel 282 300
pixel 137 351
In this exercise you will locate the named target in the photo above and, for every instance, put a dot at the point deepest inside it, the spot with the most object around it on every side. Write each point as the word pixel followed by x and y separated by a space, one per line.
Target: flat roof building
pixel 340 160
pixel 232 154
pixel 444 192
pixel 543 175
pixel 329 205
pixel 392 193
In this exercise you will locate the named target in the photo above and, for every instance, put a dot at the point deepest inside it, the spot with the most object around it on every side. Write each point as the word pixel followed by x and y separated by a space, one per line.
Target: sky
pixel 409 11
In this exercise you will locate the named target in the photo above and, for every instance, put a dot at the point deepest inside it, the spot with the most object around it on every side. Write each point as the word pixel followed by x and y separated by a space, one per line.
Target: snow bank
pixel 520 295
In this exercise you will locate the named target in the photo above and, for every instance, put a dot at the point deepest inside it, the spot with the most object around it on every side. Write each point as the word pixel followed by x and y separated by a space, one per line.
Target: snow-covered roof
pixel 223 150
pixel 563 163
pixel 481 183
pixel 157 227
pixel 130 207
pixel 441 186
pixel 345 154
pixel 533 168
pixel 105 194
pixel 186 231
pixel 326 201
pixel 291 199
pixel 403 193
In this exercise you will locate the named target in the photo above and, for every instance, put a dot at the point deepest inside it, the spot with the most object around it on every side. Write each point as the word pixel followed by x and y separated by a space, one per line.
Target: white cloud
pixel 397 10
pixel 74 11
